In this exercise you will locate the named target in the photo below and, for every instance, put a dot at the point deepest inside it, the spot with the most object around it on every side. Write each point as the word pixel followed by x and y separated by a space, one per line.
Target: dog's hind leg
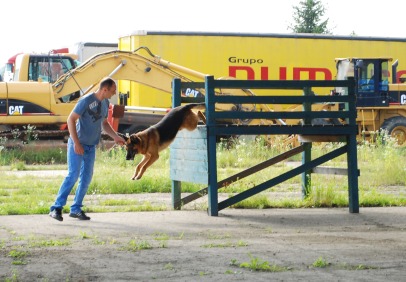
pixel 151 160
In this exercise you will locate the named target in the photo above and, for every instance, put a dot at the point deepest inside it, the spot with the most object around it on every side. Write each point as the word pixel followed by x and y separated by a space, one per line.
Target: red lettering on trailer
pixel 312 73
pixel 399 75
pixel 282 73
pixel 297 72
pixel 233 71
pixel 264 73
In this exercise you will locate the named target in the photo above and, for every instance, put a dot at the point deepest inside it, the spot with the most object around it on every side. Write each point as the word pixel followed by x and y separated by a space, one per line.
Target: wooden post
pixel 211 148
pixel 307 153
pixel 176 185
pixel 352 160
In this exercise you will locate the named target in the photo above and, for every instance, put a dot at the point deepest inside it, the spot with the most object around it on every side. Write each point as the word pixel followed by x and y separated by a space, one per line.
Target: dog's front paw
pixel 136 177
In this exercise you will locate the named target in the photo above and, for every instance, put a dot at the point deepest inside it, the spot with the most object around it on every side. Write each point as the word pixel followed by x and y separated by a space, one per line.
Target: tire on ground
pixel 396 127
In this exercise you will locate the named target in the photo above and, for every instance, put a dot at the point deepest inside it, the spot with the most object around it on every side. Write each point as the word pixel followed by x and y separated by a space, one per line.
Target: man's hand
pixel 119 140
pixel 110 131
pixel 78 148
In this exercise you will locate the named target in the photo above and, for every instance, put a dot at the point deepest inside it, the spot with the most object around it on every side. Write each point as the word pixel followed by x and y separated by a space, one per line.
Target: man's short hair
pixel 107 82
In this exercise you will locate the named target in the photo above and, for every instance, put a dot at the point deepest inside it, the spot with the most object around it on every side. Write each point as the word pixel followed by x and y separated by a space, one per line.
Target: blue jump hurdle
pixel 205 137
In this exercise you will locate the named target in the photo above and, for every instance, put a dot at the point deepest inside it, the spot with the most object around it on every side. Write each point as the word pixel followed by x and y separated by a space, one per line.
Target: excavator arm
pixel 152 71
pixel 121 65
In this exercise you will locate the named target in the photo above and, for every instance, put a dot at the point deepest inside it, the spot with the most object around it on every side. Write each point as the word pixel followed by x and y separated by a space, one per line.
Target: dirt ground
pixel 189 245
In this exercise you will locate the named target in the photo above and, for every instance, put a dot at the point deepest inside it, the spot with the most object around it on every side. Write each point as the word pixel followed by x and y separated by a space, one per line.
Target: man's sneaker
pixel 79 215
pixel 56 214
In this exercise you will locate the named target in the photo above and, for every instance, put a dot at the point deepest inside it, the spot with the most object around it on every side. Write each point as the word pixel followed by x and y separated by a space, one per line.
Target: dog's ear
pixel 135 139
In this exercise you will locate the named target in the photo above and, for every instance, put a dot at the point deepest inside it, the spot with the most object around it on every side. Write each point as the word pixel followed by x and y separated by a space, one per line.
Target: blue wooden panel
pixel 189 171
pixel 188 156
pixel 196 139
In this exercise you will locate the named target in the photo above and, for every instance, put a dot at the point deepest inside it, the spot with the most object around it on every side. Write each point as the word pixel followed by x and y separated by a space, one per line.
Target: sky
pixel 42 25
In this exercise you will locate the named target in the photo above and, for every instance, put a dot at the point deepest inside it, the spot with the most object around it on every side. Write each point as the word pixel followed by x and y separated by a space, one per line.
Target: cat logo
pixel 192 93
pixel 403 99
pixel 15 110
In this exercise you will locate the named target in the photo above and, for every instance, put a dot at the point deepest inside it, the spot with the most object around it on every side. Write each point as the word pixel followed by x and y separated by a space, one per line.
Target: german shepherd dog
pixel 154 139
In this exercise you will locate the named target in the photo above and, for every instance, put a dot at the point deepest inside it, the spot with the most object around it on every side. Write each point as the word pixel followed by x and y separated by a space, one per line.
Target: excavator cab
pixel 371 76
pixel 39 67
pixel 372 80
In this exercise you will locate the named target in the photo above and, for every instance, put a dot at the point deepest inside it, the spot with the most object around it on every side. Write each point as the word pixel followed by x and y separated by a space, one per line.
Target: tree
pixel 307 17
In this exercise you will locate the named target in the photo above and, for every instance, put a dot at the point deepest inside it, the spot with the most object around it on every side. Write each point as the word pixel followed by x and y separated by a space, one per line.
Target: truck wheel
pixel 396 127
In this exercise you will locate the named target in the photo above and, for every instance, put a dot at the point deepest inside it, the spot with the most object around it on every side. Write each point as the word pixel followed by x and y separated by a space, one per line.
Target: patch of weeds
pixel 269 229
pixel 113 241
pixel 18 262
pixel 357 267
pixel 51 243
pixel 202 273
pixel 18 257
pixel 163 244
pixel 162 238
pixel 134 246
pixel 258 264
pixel 13 278
pixel 218 245
pixel 17 254
pixel 97 241
pixel 83 235
pixel 218 236
pixel 18 165
pixel 181 235
pixel 320 263
pixel 323 263
pixel 229 271
pixel 169 266
pixel 364 267
pixel 234 262
pixel 242 244
pixel 226 245
pixel 255 202
pixel 18 238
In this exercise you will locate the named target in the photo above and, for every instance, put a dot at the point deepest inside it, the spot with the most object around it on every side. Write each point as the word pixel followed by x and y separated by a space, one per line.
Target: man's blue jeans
pixel 79 166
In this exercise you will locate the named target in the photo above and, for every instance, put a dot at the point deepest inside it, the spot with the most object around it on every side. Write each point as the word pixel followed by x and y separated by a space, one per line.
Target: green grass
pixel 225 245
pixel 137 245
pixel 321 263
pixel 257 264
pixel 382 181
pixel 50 243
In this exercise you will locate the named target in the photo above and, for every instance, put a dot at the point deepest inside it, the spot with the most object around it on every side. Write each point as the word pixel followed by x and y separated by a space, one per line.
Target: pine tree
pixel 307 17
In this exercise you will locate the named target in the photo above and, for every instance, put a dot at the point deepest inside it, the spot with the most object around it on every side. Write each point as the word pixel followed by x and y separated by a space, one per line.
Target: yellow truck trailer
pixel 287 57
pixel 254 56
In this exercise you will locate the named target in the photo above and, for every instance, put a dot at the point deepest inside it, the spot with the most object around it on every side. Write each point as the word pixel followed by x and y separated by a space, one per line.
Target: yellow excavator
pixel 33 98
